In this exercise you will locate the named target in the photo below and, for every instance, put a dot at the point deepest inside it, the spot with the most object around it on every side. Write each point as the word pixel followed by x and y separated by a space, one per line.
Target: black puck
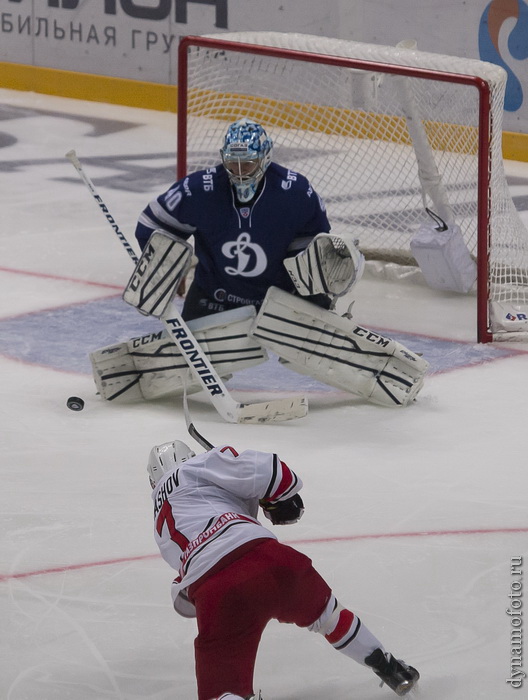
pixel 75 403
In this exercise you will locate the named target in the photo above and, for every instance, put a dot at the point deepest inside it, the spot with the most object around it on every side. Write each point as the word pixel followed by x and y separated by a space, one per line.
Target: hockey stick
pixel 231 411
pixel 72 157
pixel 193 432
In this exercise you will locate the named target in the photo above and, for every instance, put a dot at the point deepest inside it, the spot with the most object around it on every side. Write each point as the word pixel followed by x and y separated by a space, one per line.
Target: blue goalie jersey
pixel 240 247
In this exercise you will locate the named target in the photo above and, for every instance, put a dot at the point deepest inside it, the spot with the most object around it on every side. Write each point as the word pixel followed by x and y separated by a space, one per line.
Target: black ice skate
pixel 396 674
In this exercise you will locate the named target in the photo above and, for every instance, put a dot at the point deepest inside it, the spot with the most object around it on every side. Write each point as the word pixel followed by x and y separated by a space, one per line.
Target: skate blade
pixel 406 686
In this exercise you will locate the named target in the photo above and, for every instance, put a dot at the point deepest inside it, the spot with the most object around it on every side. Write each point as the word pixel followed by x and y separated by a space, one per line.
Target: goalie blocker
pixel 163 264
pixel 337 351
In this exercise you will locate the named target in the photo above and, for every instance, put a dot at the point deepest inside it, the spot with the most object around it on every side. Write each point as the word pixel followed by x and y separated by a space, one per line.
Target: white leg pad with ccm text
pixel 152 365
pixel 337 351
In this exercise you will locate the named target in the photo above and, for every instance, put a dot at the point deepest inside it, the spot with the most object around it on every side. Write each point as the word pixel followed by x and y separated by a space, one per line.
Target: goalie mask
pixel 246 155
pixel 165 457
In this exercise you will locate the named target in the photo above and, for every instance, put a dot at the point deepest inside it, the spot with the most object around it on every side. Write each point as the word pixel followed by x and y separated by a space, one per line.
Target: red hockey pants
pixel 234 605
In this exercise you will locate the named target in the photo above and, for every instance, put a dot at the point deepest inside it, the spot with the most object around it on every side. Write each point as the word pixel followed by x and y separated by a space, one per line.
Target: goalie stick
pixel 275 410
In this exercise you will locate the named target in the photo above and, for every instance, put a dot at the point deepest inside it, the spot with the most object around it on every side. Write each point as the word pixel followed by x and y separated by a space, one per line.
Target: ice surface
pixel 413 515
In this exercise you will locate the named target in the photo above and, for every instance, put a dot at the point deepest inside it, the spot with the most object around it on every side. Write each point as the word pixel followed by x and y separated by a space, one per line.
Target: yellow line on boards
pixel 86 86
pixel 145 95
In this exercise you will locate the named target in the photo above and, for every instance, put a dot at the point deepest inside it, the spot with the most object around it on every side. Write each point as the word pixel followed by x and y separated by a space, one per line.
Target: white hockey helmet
pixel 246 155
pixel 163 458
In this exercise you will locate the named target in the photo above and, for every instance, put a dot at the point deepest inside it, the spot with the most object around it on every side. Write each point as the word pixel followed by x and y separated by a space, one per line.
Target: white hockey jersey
pixel 208 506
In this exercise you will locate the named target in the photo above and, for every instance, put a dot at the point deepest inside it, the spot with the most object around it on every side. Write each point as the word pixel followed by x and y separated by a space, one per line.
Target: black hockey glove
pixel 284 512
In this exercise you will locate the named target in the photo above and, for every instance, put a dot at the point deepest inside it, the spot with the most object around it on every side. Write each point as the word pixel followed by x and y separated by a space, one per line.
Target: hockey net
pixel 382 133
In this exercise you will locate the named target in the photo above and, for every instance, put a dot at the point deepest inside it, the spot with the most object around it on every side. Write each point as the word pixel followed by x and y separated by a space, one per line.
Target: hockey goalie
pixel 267 277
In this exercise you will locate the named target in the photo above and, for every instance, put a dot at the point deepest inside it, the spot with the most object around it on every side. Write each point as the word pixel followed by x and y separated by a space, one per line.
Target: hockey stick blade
pixel 274 411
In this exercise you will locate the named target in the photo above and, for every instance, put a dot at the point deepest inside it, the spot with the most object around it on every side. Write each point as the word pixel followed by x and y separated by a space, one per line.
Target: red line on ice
pixel 75 567
pixel 60 278
pixel 315 540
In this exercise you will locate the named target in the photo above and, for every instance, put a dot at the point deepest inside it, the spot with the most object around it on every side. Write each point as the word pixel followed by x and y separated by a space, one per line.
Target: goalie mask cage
pixel 382 133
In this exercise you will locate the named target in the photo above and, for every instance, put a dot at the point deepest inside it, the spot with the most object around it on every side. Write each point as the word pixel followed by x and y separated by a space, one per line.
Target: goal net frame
pixel 484 120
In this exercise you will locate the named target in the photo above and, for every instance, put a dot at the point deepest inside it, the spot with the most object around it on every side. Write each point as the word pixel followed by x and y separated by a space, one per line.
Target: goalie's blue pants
pixel 198 304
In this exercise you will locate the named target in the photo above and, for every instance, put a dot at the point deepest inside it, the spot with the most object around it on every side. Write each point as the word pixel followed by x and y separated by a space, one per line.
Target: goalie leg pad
pixel 337 351
pixel 159 368
pixel 146 367
pixel 158 273
pixel 115 374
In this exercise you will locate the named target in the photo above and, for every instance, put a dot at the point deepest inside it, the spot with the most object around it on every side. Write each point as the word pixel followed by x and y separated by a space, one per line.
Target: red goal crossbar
pixel 484 132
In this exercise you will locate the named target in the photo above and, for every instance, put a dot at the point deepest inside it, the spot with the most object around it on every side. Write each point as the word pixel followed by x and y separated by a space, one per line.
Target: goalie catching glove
pixel 285 512
pixel 328 265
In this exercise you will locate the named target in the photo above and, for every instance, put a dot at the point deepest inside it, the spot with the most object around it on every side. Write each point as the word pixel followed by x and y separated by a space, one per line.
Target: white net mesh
pixel 378 147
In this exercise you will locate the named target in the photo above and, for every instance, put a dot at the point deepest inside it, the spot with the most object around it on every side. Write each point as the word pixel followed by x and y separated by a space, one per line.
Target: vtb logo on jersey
pixel 244 212
pixel 251 260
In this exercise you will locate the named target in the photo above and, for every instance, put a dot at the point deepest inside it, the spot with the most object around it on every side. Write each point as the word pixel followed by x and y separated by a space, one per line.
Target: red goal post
pixel 382 133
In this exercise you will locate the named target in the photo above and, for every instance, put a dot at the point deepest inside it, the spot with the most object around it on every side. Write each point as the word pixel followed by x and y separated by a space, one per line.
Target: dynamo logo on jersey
pixel 251 260
pixel 491 24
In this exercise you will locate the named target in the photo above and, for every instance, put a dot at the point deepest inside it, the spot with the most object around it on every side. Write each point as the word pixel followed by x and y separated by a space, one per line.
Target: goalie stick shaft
pixel 72 157
pixel 270 411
